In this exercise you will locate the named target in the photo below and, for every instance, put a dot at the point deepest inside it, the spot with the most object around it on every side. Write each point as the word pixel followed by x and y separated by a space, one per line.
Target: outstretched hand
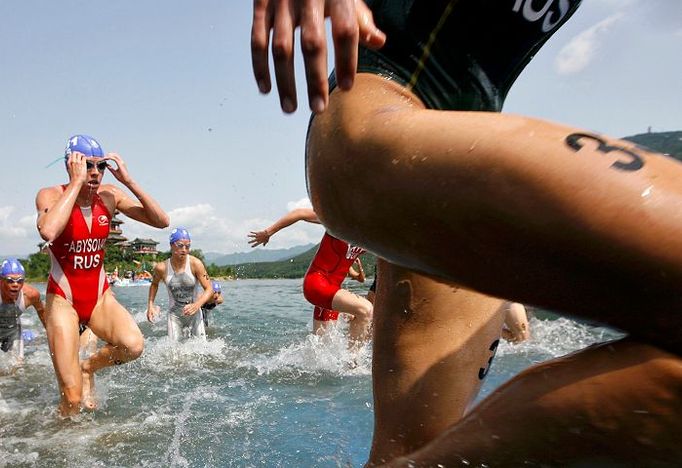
pixel 259 238
pixel 352 24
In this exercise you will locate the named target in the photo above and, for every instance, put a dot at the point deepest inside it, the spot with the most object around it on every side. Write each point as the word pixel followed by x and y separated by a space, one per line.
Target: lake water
pixel 261 391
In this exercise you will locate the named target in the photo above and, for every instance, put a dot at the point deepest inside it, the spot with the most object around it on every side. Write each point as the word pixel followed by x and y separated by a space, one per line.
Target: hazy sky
pixel 167 84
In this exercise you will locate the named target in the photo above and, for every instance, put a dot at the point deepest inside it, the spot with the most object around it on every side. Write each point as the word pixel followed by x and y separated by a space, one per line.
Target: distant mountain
pixel 663 142
pixel 293 267
pixel 255 256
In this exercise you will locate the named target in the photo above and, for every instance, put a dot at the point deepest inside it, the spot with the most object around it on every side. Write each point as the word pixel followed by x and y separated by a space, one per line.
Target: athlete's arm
pixel 219 300
pixel 32 297
pixel 145 209
pixel 157 275
pixel 351 22
pixel 359 274
pixel 54 205
pixel 199 272
pixel 299 214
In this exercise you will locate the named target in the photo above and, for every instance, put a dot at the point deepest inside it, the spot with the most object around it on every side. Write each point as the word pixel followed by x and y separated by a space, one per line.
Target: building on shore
pixel 143 247
pixel 116 236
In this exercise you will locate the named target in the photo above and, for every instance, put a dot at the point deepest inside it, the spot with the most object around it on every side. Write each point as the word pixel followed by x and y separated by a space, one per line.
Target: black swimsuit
pixel 461 54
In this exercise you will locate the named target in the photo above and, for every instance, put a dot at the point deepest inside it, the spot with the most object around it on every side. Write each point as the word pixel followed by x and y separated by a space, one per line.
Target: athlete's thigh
pixel 111 322
pixel 433 345
pixel 541 213
pixel 349 302
pixel 196 325
pixel 174 325
pixel 61 327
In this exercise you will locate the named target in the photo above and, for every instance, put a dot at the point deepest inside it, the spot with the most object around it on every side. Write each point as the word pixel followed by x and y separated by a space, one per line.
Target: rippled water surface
pixel 261 391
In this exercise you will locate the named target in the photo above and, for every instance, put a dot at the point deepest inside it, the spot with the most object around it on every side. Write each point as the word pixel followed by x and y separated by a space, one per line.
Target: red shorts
pixel 324 315
pixel 318 290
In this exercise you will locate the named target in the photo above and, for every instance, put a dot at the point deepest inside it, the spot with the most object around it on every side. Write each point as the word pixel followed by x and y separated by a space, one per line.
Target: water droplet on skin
pixel 395 161
pixel 647 191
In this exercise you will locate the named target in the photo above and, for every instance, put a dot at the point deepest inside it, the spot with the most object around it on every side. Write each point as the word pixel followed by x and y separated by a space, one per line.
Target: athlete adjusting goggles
pixel 101 166
pixel 9 280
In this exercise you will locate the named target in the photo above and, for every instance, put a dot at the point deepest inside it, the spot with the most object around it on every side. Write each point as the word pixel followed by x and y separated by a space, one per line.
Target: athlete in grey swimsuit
pixel 182 289
pixel 10 326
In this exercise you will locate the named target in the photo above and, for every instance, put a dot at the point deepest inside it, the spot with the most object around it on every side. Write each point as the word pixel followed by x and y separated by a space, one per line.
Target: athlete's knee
pixel 133 347
pixel 136 348
pixel 365 311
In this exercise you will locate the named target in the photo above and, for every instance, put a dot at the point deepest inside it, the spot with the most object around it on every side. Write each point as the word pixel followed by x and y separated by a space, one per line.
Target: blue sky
pixel 167 84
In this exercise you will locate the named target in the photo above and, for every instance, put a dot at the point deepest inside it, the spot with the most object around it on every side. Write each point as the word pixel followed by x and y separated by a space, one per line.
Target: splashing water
pixel 260 391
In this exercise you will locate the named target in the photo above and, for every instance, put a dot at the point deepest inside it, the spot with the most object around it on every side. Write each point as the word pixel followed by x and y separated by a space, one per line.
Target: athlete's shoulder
pixel 31 294
pixel 49 192
pixel 159 267
pixel 196 262
pixel 47 197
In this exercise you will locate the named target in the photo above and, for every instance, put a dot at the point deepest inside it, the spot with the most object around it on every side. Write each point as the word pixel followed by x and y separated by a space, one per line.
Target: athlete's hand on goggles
pixel 351 23
pixel 120 171
pixel 76 166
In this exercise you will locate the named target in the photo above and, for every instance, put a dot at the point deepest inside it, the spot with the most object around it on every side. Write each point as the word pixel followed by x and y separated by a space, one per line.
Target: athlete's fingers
pixel 370 35
pixel 345 36
pixel 283 54
pixel 260 40
pixel 314 47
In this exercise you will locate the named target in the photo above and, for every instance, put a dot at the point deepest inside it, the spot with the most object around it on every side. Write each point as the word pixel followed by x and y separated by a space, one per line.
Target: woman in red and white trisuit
pixel 74 219
pixel 329 267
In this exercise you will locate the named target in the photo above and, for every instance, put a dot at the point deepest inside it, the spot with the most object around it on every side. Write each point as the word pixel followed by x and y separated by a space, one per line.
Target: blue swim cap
pixel 179 233
pixel 12 266
pixel 83 144
pixel 216 286
pixel 28 335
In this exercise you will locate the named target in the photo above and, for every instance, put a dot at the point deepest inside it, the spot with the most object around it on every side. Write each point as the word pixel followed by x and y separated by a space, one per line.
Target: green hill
pixel 664 142
pixel 294 267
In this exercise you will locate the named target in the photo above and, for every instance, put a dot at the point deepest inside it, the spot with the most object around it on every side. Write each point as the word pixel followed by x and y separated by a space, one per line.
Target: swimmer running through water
pixel 327 270
pixel 184 276
pixel 16 298
pixel 324 318
pixel 74 220
pixel 215 301
pixel 516 199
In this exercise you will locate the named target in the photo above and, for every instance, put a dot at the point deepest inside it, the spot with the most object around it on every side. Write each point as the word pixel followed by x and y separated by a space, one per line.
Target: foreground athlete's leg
pixel 433 345
pixel 111 322
pixel 615 404
pixel 61 327
pixel 587 225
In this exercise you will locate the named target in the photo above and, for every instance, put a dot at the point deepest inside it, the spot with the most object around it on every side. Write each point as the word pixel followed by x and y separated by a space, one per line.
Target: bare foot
pixel 88 398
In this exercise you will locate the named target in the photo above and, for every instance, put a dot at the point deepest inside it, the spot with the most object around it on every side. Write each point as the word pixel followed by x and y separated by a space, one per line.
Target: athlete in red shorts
pixel 323 318
pixel 74 219
pixel 329 267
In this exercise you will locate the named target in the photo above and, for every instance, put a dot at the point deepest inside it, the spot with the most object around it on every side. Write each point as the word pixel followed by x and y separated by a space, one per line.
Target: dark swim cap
pixel 84 144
